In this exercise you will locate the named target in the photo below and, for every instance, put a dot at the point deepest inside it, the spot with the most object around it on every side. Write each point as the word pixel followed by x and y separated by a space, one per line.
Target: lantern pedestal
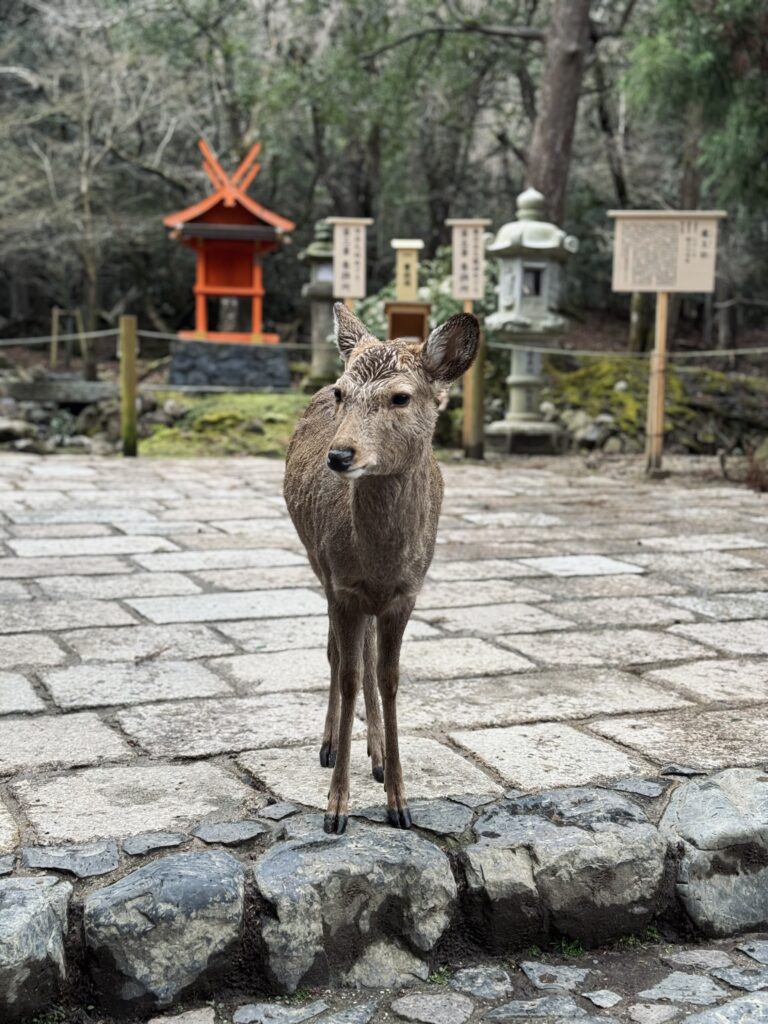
pixel 325 365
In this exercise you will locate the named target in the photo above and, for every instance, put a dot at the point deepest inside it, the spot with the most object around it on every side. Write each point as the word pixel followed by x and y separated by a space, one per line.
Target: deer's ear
pixel 349 330
pixel 450 349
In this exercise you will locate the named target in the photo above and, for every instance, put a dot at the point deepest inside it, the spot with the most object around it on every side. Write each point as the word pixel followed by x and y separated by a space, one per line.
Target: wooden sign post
pixel 406 316
pixel 468 284
pixel 663 251
pixel 349 249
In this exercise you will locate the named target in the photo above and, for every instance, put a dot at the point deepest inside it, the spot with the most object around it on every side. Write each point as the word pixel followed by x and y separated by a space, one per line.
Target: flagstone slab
pixel 201 727
pixel 9 833
pixel 528 697
pixel 110 588
pixel 496 619
pixel 58 741
pixel 112 802
pixel 606 647
pixel 701 542
pixel 17 695
pixel 543 756
pixel 701 739
pixel 721 606
pixel 69 547
pixel 55 615
pixel 430 770
pixel 581 565
pixel 462 593
pixel 264 578
pixel 734 681
pixel 569 588
pixel 621 611
pixel 27 568
pixel 479 569
pixel 30 649
pixel 453 658
pixel 83 686
pixel 745 637
pixel 222 558
pixel 254 604
pixel 142 643
pixel 278 671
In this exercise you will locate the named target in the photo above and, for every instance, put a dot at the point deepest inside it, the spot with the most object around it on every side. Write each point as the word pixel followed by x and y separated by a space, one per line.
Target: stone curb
pixel 375 907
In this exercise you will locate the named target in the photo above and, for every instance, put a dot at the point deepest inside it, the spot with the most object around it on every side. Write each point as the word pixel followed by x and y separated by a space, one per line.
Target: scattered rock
pixel 85 860
pixel 706 958
pixel 13 430
pixel 752 1009
pixel 33 925
pixel 230 833
pixel 155 933
pixel 445 1008
pixel 640 787
pixel 483 982
pixel 603 998
pixel 472 800
pixel 750 980
pixel 692 989
pixel 547 1006
pixel 551 978
pixel 329 898
pixel 138 845
pixel 757 949
pixel 360 1014
pixel 204 1016
pixel 585 862
pixel 6 863
pixel 681 769
pixel 276 1013
pixel 642 1013
pixel 278 811
pixel 443 817
pixel 719 826
pixel 174 409
pixel 387 965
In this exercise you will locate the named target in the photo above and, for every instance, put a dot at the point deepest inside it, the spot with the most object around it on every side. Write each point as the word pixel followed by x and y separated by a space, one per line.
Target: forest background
pixel 409 112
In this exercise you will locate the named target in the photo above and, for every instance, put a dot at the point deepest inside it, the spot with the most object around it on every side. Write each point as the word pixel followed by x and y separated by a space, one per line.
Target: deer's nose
pixel 340 459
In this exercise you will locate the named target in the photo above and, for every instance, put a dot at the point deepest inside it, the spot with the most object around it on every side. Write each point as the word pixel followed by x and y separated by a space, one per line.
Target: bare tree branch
pixel 464 28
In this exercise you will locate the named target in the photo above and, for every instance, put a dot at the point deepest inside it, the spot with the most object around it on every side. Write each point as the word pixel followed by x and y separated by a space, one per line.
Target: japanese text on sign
pixel 468 243
pixel 349 256
pixel 656 251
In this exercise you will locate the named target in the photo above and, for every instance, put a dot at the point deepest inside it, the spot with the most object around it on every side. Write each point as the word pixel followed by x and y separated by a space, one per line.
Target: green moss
pixel 228 424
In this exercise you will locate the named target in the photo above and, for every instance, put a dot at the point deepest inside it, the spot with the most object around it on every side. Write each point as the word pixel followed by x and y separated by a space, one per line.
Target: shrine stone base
pixel 525 437
pixel 200 363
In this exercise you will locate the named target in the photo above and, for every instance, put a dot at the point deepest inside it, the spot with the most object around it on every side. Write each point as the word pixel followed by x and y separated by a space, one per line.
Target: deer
pixel 364 492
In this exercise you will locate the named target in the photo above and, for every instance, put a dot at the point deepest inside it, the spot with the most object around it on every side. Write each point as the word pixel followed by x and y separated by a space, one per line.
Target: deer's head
pixel 386 398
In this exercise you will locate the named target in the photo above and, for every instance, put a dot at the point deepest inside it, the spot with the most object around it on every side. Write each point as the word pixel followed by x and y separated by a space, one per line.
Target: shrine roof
pixel 229 191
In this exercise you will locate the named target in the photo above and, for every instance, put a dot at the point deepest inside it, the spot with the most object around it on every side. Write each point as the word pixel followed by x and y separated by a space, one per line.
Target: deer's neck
pixel 392 513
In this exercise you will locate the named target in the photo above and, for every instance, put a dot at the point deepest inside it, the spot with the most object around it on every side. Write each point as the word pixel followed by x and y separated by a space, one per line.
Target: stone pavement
pixel 163 665
pixel 162 640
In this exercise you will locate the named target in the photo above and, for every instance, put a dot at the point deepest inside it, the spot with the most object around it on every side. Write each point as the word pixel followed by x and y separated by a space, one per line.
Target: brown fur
pixel 370 532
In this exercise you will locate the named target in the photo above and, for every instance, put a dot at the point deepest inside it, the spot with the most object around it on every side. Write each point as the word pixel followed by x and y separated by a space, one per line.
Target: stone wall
pixel 223 365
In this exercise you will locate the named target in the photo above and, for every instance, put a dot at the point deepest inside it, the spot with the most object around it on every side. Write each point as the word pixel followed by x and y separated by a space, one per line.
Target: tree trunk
pixel 549 156
pixel 690 192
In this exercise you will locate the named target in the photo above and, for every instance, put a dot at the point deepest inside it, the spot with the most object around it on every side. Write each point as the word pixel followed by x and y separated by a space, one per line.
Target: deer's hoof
pixel 334 824
pixel 327 756
pixel 378 772
pixel 399 817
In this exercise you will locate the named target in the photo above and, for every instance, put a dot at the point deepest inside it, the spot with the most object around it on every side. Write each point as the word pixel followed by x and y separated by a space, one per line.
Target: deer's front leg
pixel 391 628
pixel 331 730
pixel 372 706
pixel 348 628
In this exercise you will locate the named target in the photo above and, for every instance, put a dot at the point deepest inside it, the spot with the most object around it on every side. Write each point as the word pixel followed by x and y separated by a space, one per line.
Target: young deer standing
pixel 364 493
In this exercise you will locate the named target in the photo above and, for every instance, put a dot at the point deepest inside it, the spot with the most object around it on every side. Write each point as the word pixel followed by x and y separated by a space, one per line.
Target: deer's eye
pixel 401 399
pixel 337 394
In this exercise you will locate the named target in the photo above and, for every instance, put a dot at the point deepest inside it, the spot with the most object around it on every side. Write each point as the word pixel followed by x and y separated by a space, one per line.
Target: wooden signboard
pixel 663 251
pixel 407 268
pixel 468 246
pixel 349 256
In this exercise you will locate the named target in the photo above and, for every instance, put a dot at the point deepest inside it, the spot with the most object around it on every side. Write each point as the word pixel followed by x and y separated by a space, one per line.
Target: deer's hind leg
pixel 372 702
pixel 331 730
pixel 391 627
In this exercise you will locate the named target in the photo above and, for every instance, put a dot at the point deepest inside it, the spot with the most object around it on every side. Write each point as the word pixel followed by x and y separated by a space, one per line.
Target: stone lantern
pixel 324 366
pixel 531 254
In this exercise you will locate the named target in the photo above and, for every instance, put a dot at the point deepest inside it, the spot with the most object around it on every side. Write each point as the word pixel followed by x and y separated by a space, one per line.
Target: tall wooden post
pixel 472 425
pixel 55 323
pixel 654 433
pixel 128 340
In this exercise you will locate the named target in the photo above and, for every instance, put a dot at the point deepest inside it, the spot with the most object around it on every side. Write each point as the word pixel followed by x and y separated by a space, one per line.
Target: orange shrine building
pixel 230 234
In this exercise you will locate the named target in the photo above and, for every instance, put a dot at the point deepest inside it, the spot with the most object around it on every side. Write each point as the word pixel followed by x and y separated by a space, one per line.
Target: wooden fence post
pixel 472 424
pixel 654 439
pixel 55 323
pixel 128 342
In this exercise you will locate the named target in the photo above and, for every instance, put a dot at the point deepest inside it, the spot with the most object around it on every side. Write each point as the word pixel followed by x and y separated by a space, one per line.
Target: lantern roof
pixel 230 191
pixel 530 234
